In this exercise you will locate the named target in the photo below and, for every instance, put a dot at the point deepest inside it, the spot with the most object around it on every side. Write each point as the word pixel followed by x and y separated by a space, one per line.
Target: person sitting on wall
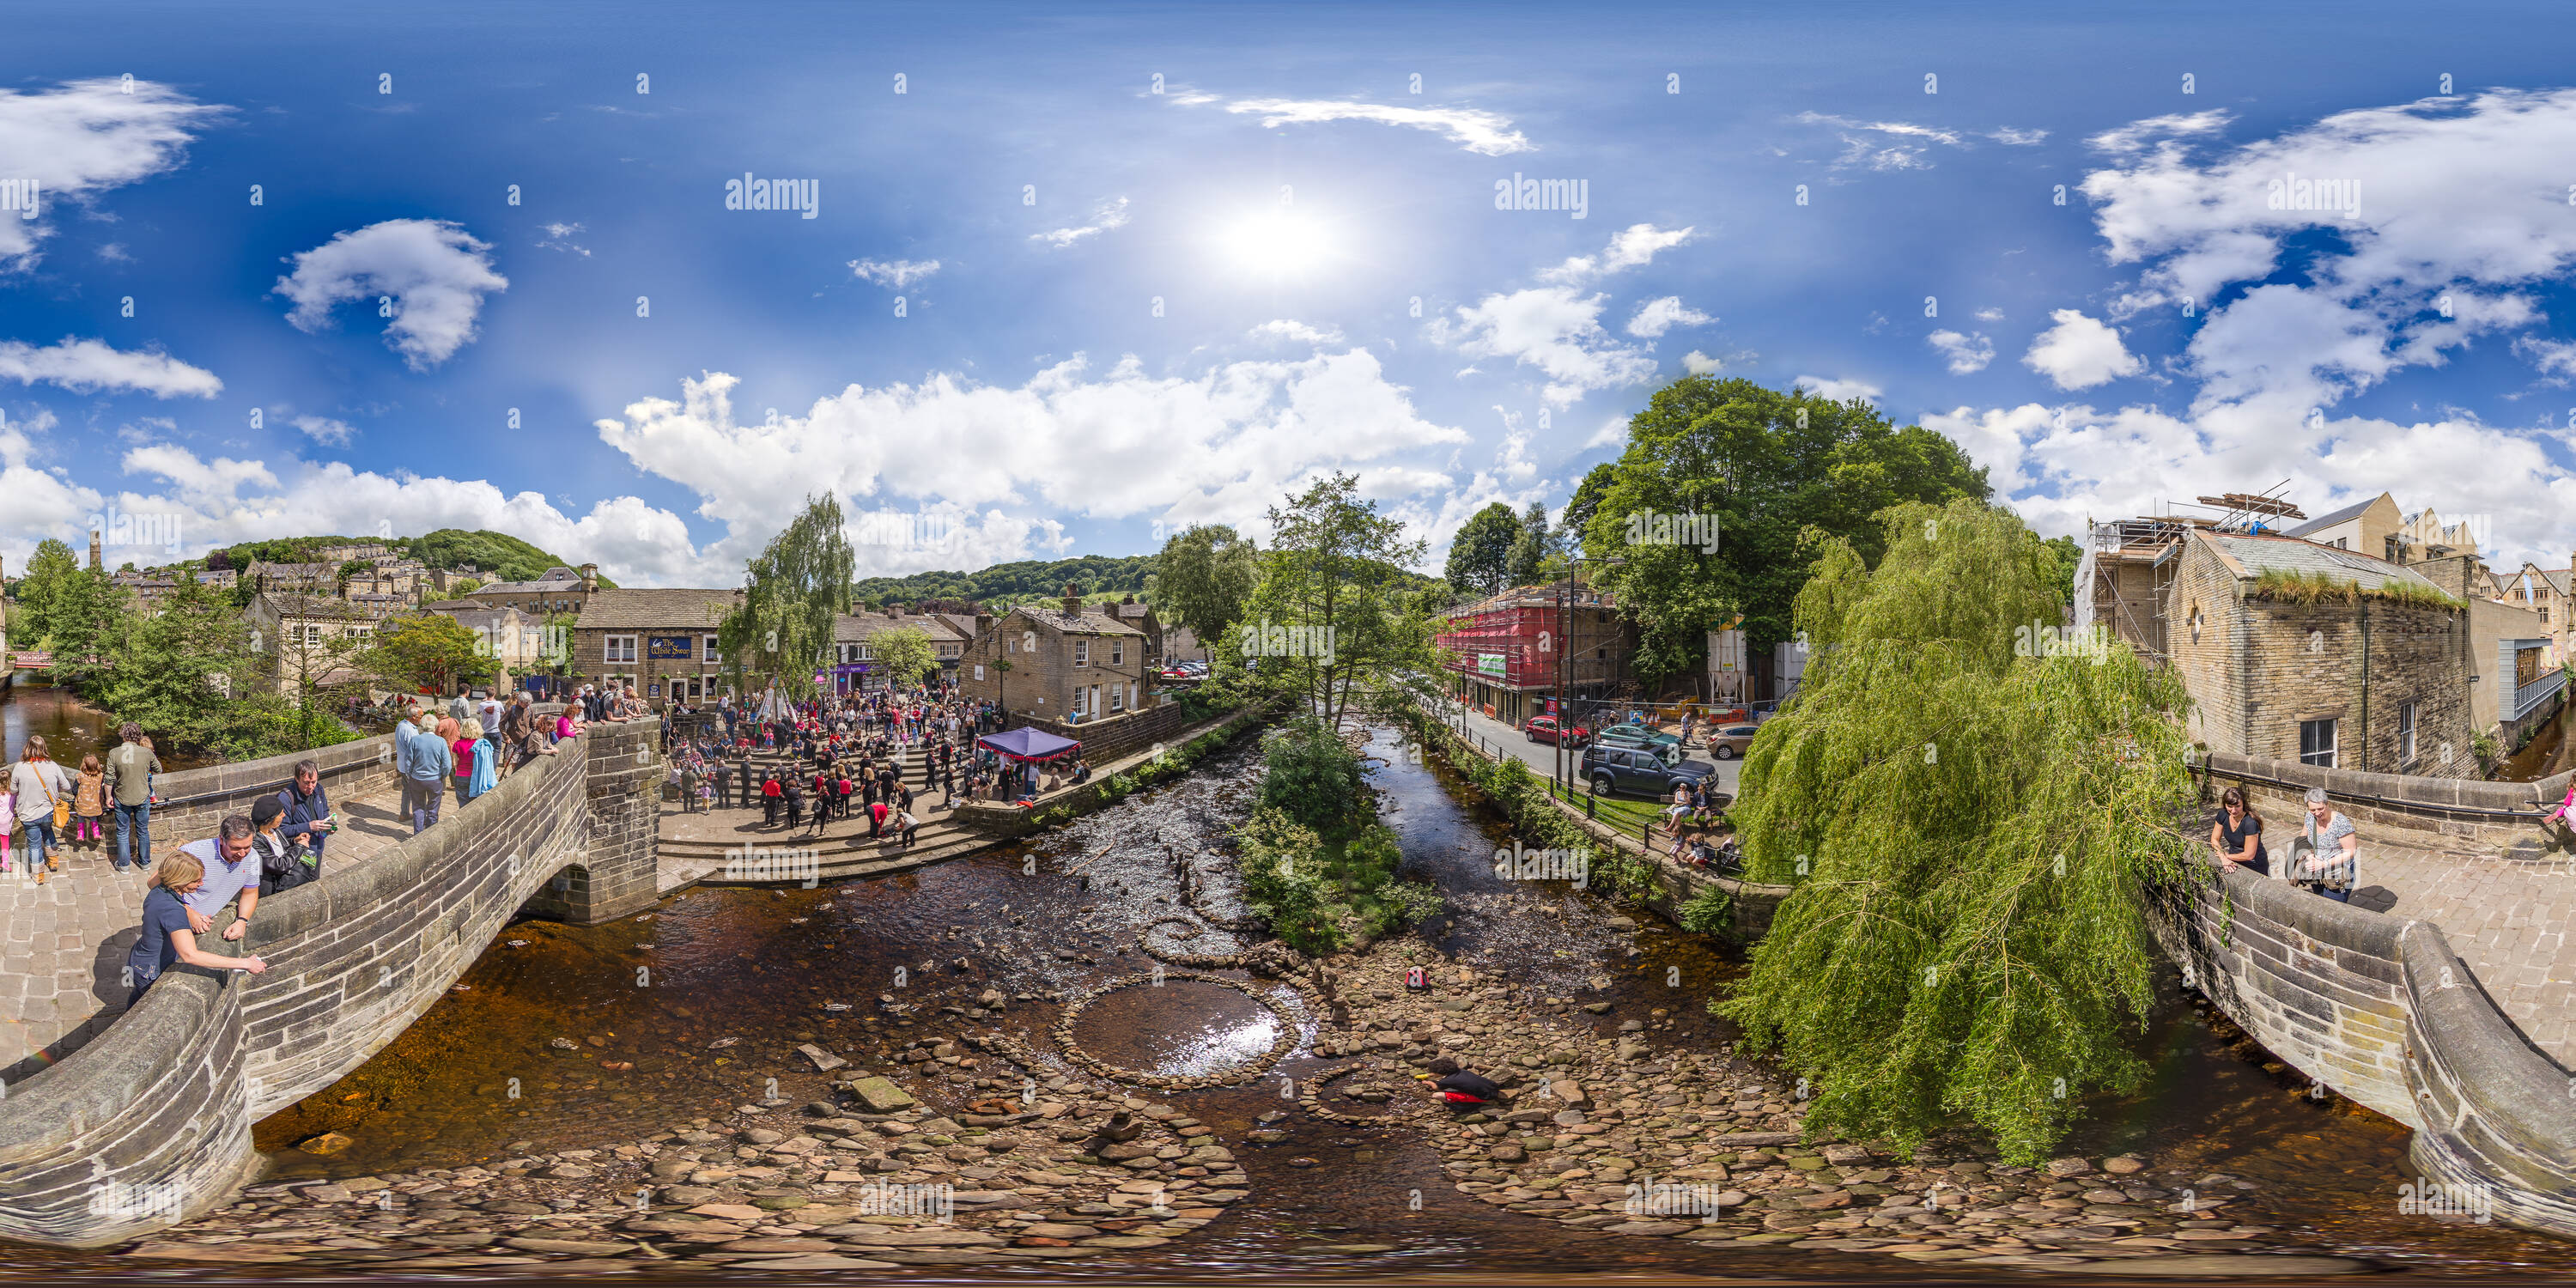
pixel 2334 850
pixel 2237 834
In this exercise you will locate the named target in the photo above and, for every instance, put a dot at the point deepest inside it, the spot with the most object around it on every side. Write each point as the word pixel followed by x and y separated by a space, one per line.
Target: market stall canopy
pixel 1028 744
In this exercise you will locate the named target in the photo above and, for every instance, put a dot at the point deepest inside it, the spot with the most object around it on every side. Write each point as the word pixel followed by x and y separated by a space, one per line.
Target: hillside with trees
pixel 497 556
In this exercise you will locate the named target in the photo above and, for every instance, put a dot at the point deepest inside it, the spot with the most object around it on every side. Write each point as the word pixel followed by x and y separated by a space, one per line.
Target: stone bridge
pixel 2439 997
pixel 149 1123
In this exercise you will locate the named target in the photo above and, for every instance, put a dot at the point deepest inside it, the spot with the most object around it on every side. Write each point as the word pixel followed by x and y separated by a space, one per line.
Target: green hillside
pixel 499 556
pixel 1096 576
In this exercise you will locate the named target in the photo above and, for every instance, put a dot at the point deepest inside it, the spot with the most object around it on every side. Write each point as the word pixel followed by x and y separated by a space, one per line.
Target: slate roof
pixel 618 610
pixel 556 578
pixel 854 627
pixel 2325 521
pixel 2254 556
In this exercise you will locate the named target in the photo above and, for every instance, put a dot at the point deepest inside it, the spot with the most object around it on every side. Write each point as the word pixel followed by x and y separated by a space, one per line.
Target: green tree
pixel 1532 546
pixel 1974 835
pixel 906 654
pixel 1202 578
pixel 1741 475
pixel 1587 501
pixel 2070 557
pixel 1332 616
pixel 87 621
pixel 1480 555
pixel 427 651
pixel 52 567
pixel 185 673
pixel 791 595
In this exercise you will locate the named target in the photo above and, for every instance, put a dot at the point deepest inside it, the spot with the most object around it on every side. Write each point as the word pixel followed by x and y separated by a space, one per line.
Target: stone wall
pixel 154 1116
pixel 2466 817
pixel 2312 661
pixel 1106 740
pixel 2379 1009
pixel 1005 819
pixel 194 800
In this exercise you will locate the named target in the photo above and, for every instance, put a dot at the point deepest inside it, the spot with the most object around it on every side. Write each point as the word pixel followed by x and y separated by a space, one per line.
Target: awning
pixel 1028 744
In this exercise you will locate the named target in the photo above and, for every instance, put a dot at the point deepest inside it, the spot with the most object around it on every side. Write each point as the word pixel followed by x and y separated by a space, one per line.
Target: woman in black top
pixel 2237 835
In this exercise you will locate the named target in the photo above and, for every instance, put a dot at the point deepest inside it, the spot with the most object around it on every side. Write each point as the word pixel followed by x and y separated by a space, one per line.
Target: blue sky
pixel 1160 264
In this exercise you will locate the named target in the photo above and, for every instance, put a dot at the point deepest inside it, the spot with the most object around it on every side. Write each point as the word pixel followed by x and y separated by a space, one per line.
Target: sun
pixel 1278 243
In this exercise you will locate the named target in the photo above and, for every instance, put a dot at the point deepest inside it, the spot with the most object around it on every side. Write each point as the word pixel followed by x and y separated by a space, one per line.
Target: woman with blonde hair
pixel 167 938
pixel 481 772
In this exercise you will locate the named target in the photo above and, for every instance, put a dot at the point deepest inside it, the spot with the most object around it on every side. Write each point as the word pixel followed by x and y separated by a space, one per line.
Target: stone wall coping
pixel 124 1065
pixel 215 782
pixel 2397 791
pixel 2493 1065
pixel 2324 920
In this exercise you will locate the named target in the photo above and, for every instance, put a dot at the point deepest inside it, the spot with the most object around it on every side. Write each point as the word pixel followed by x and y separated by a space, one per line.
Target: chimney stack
pixel 589 577
pixel 96 564
pixel 1072 601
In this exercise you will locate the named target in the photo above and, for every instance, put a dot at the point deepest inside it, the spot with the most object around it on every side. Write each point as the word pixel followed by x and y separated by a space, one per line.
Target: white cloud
pixel 1655 317
pixel 1296 332
pixel 1700 364
pixel 85 366
pixel 893 273
pixel 1219 446
pixel 1613 432
pixel 2160 131
pixel 2079 353
pixel 1478 131
pixel 1900 129
pixel 2010 137
pixel 84 138
pixel 1553 328
pixel 1108 215
pixel 324 430
pixel 1967 353
pixel 436 273
pixel 1838 390
pixel 559 236
pixel 2553 357
pixel 115 253
pixel 1990 315
pixel 1630 247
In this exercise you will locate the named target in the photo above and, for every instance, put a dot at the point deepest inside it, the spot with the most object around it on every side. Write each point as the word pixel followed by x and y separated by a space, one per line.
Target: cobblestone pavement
pixel 2506 919
pixel 63 943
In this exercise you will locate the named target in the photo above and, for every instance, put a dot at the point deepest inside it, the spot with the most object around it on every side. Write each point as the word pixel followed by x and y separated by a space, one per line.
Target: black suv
pixel 1639 771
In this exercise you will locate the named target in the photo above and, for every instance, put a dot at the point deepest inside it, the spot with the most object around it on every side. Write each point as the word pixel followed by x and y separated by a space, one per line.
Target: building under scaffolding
pixel 2129 564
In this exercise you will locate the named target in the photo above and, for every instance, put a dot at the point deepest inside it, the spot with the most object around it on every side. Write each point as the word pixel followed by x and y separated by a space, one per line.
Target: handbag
pixel 62 808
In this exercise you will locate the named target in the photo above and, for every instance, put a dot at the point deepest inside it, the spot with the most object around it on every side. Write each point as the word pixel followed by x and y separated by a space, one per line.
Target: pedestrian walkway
pixel 63 943
pixel 2506 918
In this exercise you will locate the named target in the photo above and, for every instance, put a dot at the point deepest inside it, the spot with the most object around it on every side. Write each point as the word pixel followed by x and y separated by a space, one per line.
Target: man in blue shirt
pixel 170 931
pixel 230 873
pixel 424 763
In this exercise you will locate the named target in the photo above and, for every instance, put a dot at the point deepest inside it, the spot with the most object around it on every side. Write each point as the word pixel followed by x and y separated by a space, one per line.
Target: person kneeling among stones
pixel 1461 1090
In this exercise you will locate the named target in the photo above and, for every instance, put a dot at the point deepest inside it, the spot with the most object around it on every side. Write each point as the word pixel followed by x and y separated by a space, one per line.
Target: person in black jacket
pixel 1461 1090
pixel 308 811
pixel 283 865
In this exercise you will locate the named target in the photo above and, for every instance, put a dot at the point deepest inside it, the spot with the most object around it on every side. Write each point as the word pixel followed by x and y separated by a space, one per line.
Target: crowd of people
pixel 807 764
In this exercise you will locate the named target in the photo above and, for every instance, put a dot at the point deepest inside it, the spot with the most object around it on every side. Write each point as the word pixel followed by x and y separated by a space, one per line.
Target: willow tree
pixel 1973 817
pixel 791 594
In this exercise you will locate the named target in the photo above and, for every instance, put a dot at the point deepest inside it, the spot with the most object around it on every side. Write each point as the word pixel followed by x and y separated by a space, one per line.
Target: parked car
pixel 1544 729
pixel 1629 735
pixel 1638 771
pixel 1726 742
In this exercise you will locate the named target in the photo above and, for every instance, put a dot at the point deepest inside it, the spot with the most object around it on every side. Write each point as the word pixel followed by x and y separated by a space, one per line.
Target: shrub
pixel 1310 776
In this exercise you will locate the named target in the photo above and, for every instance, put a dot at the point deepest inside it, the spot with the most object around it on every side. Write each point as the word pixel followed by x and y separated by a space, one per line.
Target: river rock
pixel 326 1144
pixel 2062 1168
pixel 824 1061
pixel 881 1096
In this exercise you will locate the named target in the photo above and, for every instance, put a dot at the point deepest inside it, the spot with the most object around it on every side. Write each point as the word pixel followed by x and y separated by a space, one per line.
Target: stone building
pixel 854 659
pixel 1502 653
pixel 2372 675
pixel 2371 527
pixel 1071 663
pixel 559 591
pixel 313 639
pixel 2514 677
pixel 2546 591
pixel 514 640
pixel 661 641
pixel 298 578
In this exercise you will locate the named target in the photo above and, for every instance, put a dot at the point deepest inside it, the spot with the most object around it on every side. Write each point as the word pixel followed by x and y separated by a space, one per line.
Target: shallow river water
pixel 645 1005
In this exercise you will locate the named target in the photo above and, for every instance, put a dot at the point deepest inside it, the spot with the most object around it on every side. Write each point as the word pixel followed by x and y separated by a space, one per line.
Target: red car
pixel 1543 729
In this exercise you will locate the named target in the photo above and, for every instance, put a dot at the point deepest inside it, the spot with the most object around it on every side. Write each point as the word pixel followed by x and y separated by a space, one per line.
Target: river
pixel 480 1077
pixel 70 727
